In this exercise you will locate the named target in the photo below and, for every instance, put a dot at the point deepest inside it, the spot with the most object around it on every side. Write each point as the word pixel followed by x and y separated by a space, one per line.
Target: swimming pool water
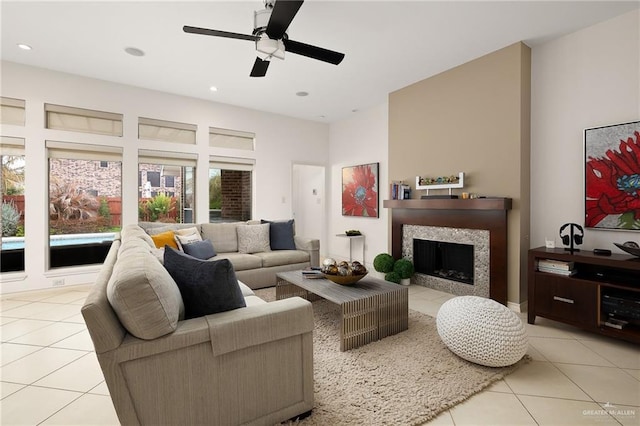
pixel 14 243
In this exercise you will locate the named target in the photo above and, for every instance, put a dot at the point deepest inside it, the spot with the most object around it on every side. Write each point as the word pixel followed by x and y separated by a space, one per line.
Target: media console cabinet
pixel 601 289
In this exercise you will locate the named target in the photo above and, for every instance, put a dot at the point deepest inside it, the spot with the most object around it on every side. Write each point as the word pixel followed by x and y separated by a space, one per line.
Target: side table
pixel 351 238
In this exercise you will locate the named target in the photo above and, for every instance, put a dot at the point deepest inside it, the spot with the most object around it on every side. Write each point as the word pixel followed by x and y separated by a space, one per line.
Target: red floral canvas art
pixel 612 177
pixel 360 190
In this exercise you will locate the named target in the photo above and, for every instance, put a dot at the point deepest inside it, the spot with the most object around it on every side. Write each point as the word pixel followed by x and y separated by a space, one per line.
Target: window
pixel 12 111
pixel 158 203
pixel 230 189
pixel 224 138
pixel 153 178
pixel 82 225
pixel 167 131
pixel 104 164
pixel 12 223
pixel 83 120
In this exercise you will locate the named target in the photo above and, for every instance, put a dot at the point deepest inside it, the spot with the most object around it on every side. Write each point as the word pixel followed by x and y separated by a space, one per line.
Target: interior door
pixel 308 201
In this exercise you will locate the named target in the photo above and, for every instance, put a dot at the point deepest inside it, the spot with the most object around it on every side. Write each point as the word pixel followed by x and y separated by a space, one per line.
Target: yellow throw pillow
pixel 165 238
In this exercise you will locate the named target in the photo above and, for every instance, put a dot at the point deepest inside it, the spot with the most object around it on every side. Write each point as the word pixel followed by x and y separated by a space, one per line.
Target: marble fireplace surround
pixel 478 238
pixel 488 214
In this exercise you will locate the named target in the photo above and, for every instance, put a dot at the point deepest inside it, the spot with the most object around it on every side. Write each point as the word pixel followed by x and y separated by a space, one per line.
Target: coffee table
pixel 371 309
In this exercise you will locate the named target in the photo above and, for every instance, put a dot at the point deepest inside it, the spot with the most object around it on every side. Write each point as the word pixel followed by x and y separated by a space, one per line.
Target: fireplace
pixel 481 223
pixel 451 261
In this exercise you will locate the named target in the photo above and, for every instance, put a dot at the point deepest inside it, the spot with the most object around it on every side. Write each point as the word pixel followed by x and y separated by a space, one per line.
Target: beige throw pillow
pixel 187 236
pixel 253 238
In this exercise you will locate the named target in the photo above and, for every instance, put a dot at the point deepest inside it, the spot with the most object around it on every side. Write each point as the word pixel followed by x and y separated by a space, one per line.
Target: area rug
pixel 404 379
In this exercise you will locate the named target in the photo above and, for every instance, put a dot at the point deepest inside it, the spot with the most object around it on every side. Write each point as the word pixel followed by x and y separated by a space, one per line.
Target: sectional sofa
pixel 256 262
pixel 252 364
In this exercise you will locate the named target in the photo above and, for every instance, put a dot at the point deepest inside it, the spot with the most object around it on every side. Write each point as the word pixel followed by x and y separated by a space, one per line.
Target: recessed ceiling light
pixel 213 88
pixel 134 51
pixel 302 93
pixel 24 46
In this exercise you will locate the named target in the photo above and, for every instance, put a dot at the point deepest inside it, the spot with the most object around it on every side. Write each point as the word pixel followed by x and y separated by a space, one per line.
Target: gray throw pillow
pixel 200 249
pixel 207 287
pixel 281 235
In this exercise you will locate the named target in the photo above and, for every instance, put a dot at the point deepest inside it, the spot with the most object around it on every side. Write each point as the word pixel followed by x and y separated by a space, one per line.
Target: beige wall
pixel 474 119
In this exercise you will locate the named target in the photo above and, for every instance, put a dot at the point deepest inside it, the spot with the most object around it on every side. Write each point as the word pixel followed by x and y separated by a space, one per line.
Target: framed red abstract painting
pixel 360 190
pixel 612 177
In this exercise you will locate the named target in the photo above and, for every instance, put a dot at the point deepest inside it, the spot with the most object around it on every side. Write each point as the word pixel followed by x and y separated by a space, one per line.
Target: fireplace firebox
pixel 452 261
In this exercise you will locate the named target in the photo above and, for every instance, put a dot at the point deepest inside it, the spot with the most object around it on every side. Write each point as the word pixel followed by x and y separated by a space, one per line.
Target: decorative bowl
pixel 630 247
pixel 345 279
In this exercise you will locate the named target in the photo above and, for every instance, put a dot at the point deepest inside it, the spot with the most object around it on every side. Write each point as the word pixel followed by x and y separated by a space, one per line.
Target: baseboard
pixel 517 307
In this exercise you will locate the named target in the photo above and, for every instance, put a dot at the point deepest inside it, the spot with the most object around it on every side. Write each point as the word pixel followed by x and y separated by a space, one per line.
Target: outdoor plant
pixel 67 202
pixel 383 263
pixel 404 268
pixel 103 210
pixel 157 208
pixel 10 219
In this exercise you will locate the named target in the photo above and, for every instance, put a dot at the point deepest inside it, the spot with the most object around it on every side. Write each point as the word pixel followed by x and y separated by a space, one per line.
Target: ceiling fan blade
pixel 314 52
pixel 259 68
pixel 206 31
pixel 281 17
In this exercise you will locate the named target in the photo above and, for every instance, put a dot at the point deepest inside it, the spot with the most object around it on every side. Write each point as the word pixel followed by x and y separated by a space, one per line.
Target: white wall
pixel 586 79
pixel 280 142
pixel 360 139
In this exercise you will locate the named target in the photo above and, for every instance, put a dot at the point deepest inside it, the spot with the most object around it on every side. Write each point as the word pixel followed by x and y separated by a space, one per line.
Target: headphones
pixel 577 237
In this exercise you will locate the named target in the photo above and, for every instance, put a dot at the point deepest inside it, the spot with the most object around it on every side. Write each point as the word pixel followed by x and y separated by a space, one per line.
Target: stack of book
pixel 559 267
pixel 399 191
pixel 312 273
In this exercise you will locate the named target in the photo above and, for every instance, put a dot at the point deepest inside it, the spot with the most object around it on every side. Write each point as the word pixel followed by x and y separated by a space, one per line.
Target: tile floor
pixel 50 375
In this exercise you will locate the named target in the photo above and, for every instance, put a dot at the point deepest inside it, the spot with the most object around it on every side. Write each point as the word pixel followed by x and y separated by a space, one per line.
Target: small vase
pixel 405 281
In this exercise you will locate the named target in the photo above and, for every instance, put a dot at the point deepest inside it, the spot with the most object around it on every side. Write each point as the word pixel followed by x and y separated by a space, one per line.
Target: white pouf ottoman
pixel 482 331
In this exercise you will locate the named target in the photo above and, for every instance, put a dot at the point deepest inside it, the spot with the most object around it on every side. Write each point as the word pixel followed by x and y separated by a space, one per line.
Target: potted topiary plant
pixel 383 263
pixel 404 268
pixel 393 277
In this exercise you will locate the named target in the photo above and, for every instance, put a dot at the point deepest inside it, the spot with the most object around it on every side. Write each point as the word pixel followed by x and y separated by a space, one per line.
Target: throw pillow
pixel 207 287
pixel 253 238
pixel 188 235
pixel 165 239
pixel 281 235
pixel 183 240
pixel 200 249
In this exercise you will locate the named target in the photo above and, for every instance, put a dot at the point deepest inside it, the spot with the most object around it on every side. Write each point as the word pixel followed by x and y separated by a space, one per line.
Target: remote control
pixel 602 252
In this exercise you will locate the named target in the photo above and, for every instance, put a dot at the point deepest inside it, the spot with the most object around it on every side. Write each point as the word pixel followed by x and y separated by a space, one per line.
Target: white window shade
pixel 11 146
pixel 61 117
pixel 166 131
pixel 167 158
pixel 79 151
pixel 231 163
pixel 224 138
pixel 12 111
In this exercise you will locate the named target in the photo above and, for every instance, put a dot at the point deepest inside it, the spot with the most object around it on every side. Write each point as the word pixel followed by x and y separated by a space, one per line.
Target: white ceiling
pixel 388 45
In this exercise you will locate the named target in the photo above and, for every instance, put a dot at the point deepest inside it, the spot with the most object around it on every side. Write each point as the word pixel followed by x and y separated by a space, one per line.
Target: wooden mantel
pixel 480 213
pixel 451 204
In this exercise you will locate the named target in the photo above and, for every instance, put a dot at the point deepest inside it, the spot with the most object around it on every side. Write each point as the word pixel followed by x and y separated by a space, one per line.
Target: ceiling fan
pixel 269 34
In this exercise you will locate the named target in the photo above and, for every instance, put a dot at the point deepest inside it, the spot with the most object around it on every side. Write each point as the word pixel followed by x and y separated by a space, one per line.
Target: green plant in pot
pixel 383 263
pixel 404 268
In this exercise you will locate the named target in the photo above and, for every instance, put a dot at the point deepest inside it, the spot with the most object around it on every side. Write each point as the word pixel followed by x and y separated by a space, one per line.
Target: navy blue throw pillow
pixel 207 287
pixel 200 249
pixel 281 235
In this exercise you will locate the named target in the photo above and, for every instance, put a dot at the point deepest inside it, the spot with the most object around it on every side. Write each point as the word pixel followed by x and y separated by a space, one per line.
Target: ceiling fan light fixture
pixel 268 48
